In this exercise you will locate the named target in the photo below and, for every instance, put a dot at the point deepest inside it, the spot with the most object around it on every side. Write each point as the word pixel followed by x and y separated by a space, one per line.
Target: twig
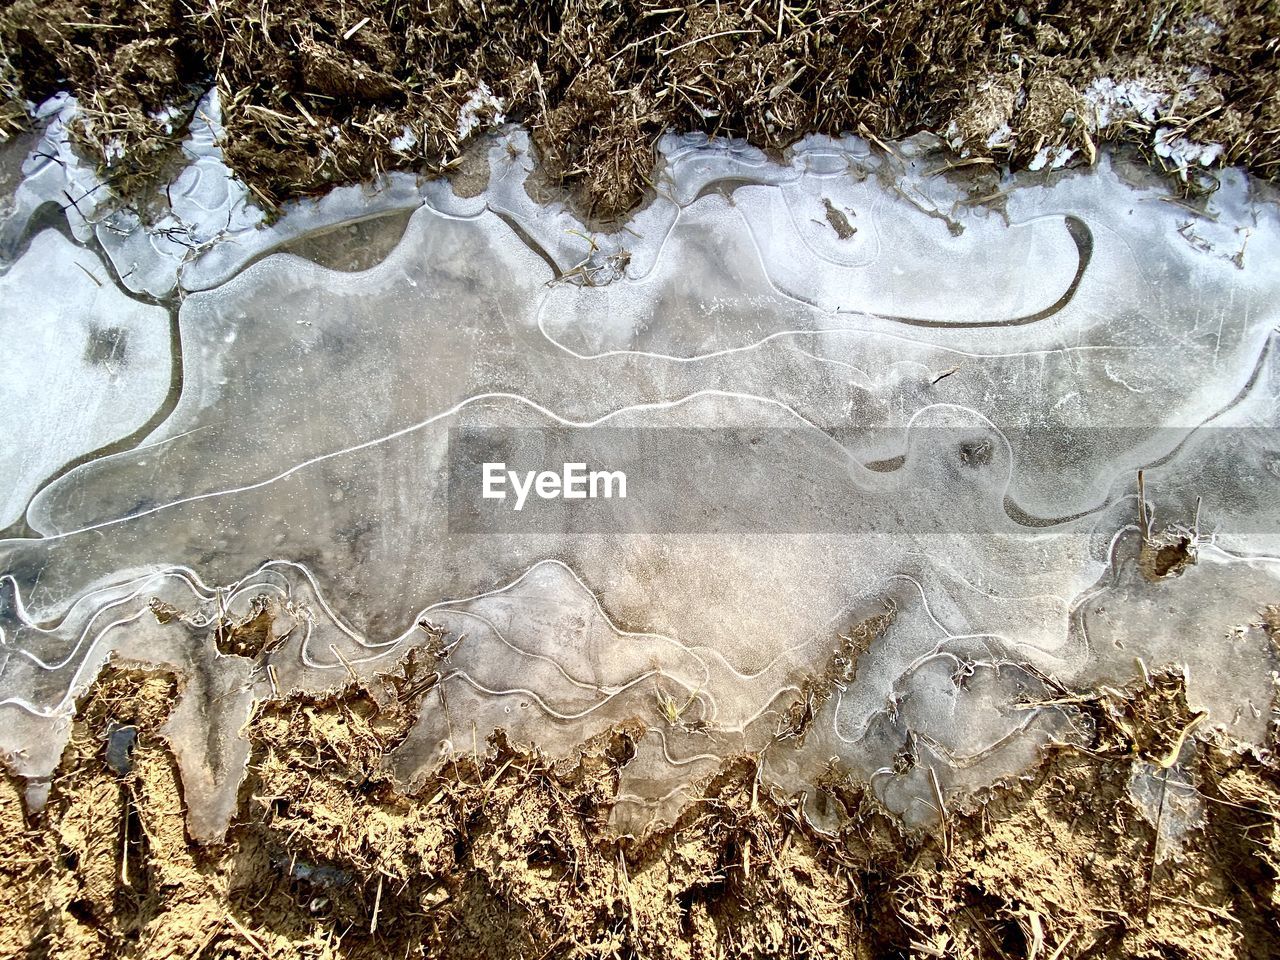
pixel 1212 911
pixel 354 30
pixel 88 273
pixel 944 374
pixel 254 941
pixel 713 36
pixel 1066 942
pixel 1142 507
pixel 333 648
pixel 377 905
pixel 942 812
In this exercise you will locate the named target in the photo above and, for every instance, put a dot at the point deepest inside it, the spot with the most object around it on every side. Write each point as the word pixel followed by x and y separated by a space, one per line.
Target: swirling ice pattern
pixel 934 370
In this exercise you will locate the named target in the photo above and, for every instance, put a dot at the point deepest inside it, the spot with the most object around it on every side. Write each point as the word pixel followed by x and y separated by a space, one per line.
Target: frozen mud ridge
pixel 901 520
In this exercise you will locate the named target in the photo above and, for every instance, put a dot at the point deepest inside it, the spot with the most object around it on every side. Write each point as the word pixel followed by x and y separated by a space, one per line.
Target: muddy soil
pixel 318 92
pixel 505 854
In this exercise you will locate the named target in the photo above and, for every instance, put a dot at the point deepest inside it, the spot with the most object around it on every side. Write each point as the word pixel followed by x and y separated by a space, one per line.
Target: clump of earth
pixel 317 94
pixel 508 855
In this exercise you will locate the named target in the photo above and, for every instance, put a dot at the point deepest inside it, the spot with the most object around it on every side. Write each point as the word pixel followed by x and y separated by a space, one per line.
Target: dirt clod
pixel 319 93
pixel 506 854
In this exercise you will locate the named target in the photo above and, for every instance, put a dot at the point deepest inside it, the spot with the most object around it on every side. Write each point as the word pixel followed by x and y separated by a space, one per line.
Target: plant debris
pixel 316 94
pixel 506 854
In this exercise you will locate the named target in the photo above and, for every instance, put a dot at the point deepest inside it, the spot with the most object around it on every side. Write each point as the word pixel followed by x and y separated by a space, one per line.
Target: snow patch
pixel 1128 100
pixel 167 116
pixel 1182 152
pixel 1001 136
pixel 481 101
pixel 406 141
pixel 1052 157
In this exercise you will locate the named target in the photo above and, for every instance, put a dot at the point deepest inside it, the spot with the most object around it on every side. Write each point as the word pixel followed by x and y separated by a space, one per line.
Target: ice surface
pixel 82 366
pixel 894 406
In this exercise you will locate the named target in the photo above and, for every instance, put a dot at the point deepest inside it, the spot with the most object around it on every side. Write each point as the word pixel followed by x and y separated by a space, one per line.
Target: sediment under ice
pixel 928 398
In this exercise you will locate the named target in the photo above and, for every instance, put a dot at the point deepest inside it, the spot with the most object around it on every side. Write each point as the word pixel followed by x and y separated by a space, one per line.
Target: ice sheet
pixel 946 404
pixel 82 365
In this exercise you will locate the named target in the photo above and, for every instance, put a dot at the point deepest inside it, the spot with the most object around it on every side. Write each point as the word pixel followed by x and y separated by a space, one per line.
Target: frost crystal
pixel 481 102
pixel 1182 152
pixel 406 141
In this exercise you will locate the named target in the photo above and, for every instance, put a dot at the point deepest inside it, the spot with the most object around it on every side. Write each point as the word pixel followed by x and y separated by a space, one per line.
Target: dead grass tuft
pixel 506 854
pixel 318 93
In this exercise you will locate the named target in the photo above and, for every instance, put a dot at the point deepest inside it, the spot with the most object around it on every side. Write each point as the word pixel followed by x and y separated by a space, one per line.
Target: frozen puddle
pixel 882 428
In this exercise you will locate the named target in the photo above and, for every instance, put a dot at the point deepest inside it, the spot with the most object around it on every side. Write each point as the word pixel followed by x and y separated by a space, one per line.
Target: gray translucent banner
pixel 607 480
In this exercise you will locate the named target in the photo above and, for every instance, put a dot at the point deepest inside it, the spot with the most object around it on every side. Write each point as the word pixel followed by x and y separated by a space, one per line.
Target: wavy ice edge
pixel 961 395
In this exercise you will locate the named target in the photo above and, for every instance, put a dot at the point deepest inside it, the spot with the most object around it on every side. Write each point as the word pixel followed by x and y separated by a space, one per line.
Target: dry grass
pixel 315 92
pixel 506 854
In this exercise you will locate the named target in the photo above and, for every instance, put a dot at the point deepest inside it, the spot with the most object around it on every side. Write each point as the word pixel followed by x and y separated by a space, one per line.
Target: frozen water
pixel 82 366
pixel 852 402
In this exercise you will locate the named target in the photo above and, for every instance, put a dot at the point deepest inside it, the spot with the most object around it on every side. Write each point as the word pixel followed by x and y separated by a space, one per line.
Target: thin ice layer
pixel 82 366
pixel 944 408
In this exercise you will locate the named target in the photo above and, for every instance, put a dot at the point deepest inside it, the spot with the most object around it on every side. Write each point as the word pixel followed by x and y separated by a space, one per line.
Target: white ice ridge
pixel 947 401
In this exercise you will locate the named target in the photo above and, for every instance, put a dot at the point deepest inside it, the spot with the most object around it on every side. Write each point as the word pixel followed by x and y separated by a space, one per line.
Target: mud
pixel 506 855
pixel 318 93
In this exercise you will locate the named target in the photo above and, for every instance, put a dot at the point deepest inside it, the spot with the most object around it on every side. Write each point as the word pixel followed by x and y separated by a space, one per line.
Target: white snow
pixel 1128 100
pixel 406 141
pixel 481 101
pixel 1053 157
pixel 1183 152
